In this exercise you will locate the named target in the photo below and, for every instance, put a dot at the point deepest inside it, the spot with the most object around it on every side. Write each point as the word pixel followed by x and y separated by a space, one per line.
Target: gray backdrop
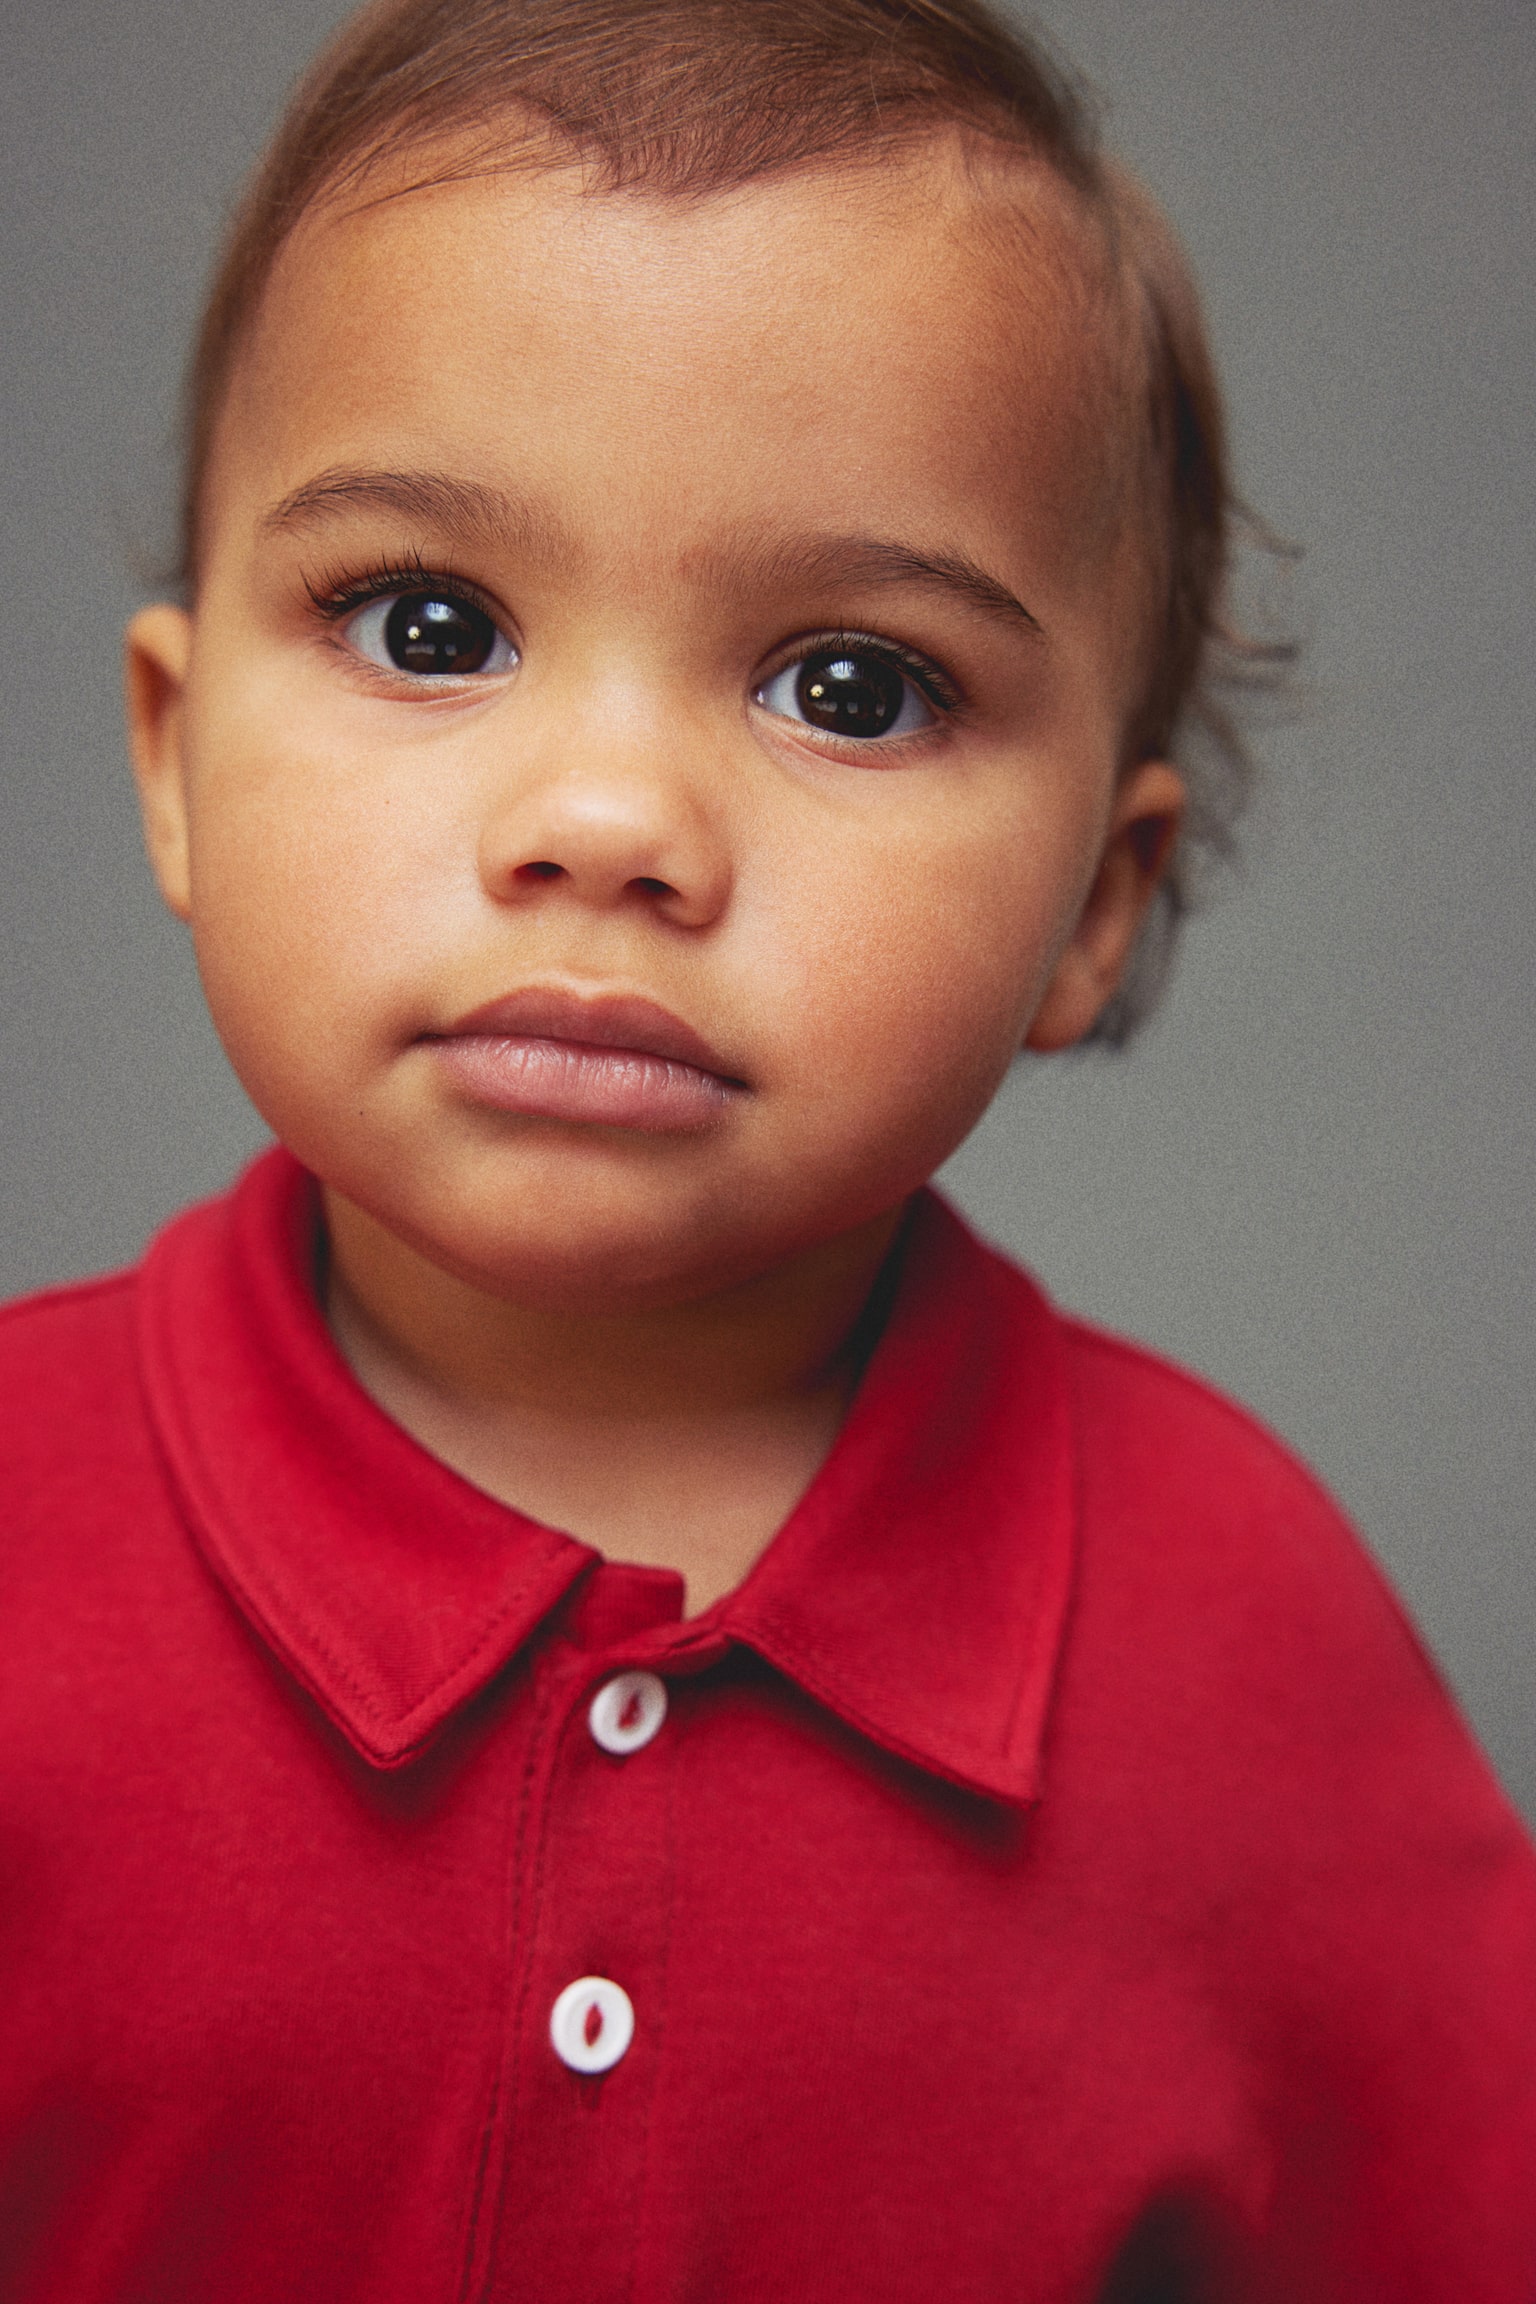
pixel 1314 1180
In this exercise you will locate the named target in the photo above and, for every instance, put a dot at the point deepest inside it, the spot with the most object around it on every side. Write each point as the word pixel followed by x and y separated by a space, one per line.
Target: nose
pixel 609 819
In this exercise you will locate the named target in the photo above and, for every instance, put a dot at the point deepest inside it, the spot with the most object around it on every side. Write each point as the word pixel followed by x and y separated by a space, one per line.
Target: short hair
pixel 685 98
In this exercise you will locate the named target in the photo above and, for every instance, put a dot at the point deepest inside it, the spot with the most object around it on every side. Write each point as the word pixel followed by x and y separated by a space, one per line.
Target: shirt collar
pixel 918 1589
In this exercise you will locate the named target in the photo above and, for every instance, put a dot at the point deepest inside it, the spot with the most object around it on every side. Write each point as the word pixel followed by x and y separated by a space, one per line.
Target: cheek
pixel 307 879
pixel 918 965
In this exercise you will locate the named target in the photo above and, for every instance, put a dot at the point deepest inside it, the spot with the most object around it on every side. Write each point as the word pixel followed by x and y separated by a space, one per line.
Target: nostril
pixel 541 871
pixel 650 887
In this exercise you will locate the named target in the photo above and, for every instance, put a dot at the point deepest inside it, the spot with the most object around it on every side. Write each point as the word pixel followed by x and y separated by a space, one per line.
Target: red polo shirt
pixel 1055 1874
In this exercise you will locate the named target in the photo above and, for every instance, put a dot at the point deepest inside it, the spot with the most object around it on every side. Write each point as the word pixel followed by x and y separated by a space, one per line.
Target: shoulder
pixel 75 1434
pixel 72 1356
pixel 1226 1616
pixel 1206 1497
pixel 65 1344
pixel 1161 1443
pixel 1155 1446
pixel 1234 1630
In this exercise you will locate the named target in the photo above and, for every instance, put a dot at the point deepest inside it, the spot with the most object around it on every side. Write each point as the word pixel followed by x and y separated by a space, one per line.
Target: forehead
pixel 919 342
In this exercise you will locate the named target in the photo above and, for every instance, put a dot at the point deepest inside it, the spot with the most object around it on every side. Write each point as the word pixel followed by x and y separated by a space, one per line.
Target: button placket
pixel 594 1929
pixel 593 2020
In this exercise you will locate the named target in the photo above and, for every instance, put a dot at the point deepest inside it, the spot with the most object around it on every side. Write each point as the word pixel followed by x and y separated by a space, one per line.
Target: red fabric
pixel 1059 1875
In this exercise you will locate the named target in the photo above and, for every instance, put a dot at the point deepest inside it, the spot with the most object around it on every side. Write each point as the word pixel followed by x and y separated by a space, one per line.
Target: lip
pixel 609 1060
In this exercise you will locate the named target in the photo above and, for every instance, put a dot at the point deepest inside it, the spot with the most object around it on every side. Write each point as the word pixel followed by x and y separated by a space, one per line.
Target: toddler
pixel 601 1703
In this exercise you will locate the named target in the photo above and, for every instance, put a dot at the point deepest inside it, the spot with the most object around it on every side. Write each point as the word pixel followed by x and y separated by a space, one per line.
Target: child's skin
pixel 637 1319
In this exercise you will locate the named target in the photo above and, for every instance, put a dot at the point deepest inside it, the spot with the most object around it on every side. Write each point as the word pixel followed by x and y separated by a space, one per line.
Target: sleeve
pixel 1406 2051
pixel 1342 1873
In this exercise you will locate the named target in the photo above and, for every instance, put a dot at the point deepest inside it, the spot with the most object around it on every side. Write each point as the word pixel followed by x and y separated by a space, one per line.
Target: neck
pixel 679 1435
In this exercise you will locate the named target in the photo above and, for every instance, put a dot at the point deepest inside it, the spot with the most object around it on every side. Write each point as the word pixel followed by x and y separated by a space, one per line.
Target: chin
pixel 576 1237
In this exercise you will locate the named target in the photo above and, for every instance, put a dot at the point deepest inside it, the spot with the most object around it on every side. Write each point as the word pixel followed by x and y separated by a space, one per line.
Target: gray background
pixel 1314 1180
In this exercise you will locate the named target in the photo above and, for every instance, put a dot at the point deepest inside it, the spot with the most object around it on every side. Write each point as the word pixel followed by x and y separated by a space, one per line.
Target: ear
pixel 1149 807
pixel 157 653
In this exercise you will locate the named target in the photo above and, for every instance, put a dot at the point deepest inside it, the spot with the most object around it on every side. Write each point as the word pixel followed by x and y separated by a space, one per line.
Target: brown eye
pixel 848 691
pixel 427 632
pixel 850 695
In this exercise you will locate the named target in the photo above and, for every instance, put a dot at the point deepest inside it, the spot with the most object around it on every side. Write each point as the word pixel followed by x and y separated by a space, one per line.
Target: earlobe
pixel 1138 847
pixel 157 654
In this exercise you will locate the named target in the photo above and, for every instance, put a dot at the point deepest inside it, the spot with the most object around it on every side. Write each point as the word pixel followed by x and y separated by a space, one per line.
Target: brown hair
pixel 685 98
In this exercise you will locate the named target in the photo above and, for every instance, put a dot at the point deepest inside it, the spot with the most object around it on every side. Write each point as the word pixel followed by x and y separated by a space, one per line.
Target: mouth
pixel 610 1061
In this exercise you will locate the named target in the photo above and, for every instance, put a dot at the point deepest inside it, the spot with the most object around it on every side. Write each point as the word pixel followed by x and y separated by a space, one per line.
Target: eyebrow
pixel 881 560
pixel 433 498
pixel 440 501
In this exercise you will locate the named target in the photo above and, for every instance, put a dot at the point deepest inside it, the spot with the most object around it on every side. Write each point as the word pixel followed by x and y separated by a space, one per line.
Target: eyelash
pixel 338 597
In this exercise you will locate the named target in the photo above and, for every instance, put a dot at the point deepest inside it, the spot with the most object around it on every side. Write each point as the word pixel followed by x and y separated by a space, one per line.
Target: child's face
pixel 701 494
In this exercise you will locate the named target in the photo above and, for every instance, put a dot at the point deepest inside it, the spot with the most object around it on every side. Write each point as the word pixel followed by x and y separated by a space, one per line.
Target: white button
pixel 626 1712
pixel 591 2024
